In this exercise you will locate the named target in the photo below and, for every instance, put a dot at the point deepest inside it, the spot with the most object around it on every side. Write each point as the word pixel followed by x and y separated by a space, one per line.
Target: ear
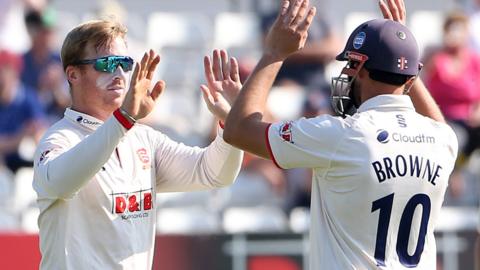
pixel 73 74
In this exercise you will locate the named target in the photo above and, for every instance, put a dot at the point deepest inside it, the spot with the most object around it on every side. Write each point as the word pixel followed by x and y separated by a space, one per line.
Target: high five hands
pixel 286 36
pixel 140 101
pixel 223 83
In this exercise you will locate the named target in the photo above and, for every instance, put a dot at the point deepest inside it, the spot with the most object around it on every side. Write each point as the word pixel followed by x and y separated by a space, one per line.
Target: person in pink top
pixel 453 78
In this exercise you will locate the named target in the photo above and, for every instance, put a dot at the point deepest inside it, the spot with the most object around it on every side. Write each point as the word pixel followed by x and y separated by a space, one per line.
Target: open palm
pixel 223 83
pixel 140 101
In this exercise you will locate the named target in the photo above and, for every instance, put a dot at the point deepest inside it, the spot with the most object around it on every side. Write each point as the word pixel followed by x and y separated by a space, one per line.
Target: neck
pixel 369 88
pixel 100 114
pixel 374 88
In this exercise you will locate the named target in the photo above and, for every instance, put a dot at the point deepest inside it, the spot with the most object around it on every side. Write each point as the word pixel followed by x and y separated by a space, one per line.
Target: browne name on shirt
pixel 406 166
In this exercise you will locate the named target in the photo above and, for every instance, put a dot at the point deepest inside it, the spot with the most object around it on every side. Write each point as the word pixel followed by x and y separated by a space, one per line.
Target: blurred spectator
pixel 307 67
pixel 20 113
pixel 316 103
pixel 13 35
pixel 42 67
pixel 453 78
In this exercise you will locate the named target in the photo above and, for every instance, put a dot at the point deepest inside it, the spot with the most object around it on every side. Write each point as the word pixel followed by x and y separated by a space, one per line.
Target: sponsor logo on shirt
pixel 286 132
pixel 384 136
pixel 82 120
pixel 131 205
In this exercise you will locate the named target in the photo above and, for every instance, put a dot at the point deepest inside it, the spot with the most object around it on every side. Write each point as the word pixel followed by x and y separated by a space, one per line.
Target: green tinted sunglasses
pixel 109 63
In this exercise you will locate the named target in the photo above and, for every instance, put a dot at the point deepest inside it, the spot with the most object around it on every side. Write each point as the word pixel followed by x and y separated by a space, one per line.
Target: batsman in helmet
pixel 381 167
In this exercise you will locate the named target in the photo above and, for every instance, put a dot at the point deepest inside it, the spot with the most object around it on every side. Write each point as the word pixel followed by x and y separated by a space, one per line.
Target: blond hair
pixel 98 33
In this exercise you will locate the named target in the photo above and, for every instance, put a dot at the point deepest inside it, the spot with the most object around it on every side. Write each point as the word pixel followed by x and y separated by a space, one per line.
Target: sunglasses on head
pixel 109 63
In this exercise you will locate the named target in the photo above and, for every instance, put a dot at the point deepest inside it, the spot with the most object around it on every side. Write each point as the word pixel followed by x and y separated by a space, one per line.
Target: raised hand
pixel 140 100
pixel 289 31
pixel 223 83
pixel 394 10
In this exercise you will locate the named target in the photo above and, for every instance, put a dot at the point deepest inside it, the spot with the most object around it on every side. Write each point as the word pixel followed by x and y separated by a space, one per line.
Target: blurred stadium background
pixel 262 221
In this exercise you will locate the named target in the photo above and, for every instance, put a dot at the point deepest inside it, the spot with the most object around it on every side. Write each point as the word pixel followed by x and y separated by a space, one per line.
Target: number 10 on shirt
pixel 384 205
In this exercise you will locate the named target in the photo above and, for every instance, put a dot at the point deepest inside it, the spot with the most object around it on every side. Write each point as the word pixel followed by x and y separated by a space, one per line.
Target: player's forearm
pixel 63 175
pixel 247 113
pixel 183 168
pixel 424 103
pixel 221 163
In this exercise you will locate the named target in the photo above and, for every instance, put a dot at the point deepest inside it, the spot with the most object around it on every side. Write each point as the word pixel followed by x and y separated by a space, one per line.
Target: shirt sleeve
pixel 62 167
pixel 305 143
pixel 184 168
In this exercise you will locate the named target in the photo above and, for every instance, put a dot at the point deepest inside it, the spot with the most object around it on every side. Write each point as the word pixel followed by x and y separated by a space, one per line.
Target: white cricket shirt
pixel 379 178
pixel 96 184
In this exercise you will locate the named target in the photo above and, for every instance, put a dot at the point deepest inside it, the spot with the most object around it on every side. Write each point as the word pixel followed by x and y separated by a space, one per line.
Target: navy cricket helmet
pixel 389 45
pixel 378 45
